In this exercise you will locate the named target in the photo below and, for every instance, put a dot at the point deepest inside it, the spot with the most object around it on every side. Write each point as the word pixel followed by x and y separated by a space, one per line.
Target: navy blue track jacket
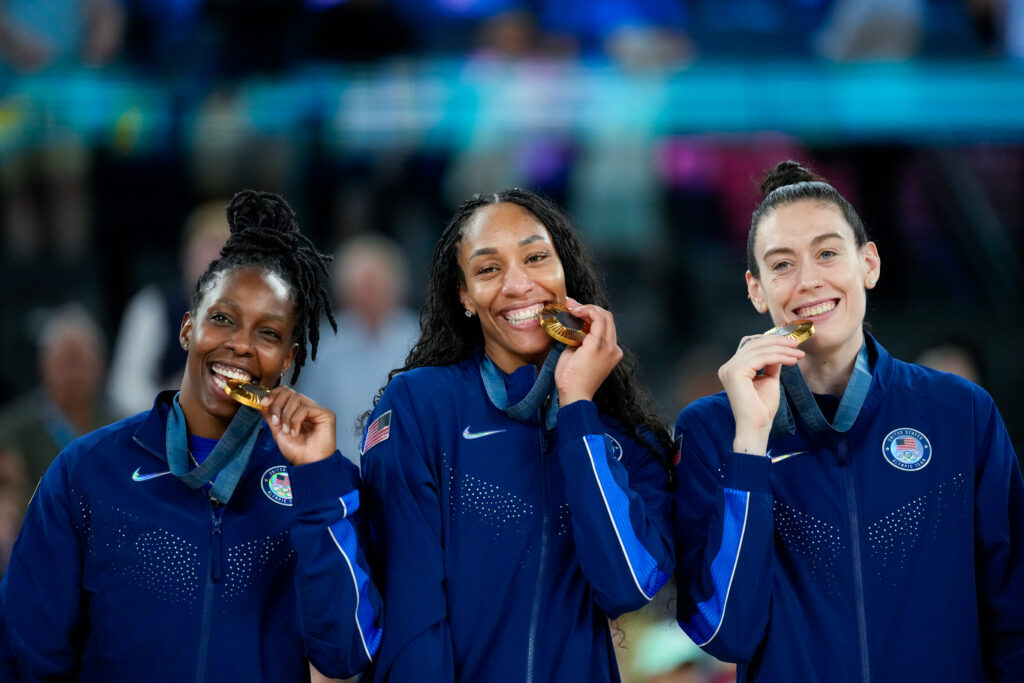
pixel 506 547
pixel 891 552
pixel 123 573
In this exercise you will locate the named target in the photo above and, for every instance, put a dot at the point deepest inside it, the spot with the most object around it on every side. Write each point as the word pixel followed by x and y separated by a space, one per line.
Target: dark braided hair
pixel 447 336
pixel 789 182
pixel 265 234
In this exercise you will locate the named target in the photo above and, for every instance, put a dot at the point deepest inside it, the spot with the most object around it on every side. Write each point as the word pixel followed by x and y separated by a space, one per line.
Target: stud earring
pixel 185 344
pixel 469 313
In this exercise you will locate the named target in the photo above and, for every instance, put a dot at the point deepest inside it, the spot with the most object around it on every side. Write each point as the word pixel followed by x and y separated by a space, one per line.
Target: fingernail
pixel 275 419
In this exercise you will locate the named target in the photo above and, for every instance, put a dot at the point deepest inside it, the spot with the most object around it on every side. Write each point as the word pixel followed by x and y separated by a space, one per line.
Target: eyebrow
pixel 788 250
pixel 267 316
pixel 485 251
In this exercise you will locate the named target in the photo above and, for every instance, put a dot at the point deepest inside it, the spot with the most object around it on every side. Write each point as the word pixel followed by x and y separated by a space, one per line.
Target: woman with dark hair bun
pixel 518 491
pixel 243 565
pixel 843 515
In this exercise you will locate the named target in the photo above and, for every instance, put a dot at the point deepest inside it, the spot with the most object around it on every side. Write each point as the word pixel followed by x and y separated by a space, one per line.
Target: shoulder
pixel 711 411
pixel 424 384
pixel 936 387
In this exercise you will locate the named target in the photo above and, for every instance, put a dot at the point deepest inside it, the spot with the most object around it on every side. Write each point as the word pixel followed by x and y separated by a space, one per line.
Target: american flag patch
pixel 379 430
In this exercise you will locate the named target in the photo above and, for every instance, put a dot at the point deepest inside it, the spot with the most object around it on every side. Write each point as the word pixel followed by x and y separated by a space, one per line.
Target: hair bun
pixel 787 173
pixel 260 210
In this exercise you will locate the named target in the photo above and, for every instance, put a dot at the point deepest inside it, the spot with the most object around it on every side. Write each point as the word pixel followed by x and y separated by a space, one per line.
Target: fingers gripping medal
pixel 562 325
pixel 246 393
pixel 801 330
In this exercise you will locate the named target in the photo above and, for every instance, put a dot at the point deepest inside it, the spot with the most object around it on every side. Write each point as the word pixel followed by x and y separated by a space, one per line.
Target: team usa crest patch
pixel 276 485
pixel 907 449
pixel 616 447
pixel 379 430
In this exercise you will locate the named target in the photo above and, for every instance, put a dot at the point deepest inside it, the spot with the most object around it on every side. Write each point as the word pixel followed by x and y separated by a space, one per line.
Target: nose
pixel 810 278
pixel 517 282
pixel 241 342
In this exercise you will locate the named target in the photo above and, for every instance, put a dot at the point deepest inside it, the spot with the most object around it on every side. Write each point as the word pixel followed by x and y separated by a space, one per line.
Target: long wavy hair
pixel 448 337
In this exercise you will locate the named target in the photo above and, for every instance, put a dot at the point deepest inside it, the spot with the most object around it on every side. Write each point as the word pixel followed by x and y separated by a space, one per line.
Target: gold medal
pixel 562 325
pixel 801 330
pixel 246 393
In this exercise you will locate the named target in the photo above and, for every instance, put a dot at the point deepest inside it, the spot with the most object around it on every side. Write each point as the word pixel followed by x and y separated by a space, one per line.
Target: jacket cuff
pixel 745 472
pixel 576 420
pixel 323 481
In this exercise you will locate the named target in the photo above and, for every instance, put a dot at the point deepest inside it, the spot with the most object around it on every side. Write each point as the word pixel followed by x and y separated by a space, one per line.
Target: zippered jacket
pixel 123 573
pixel 505 547
pixel 893 551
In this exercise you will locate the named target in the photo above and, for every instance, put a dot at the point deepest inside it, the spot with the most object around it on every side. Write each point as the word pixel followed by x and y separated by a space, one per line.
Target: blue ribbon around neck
pixel 803 400
pixel 226 464
pixel 543 388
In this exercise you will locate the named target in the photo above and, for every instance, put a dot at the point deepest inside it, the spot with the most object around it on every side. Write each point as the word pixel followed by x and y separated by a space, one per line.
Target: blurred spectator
pixel 37 33
pixel 375 332
pixel 44 182
pixel 145 358
pixel 13 484
pixel 957 356
pixel 69 400
pixel 633 32
pixel 872 30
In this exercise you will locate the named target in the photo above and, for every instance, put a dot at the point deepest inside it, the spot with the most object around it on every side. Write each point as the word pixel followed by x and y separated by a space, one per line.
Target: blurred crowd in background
pixel 126 125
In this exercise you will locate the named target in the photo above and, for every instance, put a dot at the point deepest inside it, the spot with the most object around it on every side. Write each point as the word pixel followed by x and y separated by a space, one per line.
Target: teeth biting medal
pixel 246 393
pixel 562 325
pixel 801 330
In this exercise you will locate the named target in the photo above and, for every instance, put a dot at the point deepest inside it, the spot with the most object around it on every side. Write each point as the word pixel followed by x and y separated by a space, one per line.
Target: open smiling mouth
pixel 816 309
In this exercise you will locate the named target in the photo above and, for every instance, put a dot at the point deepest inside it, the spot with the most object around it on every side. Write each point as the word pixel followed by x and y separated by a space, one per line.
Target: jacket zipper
pixel 858 570
pixel 214 577
pixel 531 659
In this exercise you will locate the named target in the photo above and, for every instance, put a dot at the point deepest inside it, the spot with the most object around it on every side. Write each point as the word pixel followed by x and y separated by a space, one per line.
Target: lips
pixel 221 373
pixel 524 316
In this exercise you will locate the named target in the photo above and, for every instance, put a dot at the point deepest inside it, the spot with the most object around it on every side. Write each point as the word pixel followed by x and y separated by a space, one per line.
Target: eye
pixel 486 270
pixel 218 317
pixel 273 334
pixel 537 257
pixel 780 266
pixel 828 253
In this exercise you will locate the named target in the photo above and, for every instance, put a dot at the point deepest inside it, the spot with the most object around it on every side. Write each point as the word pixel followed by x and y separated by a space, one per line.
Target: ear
pixel 872 264
pixel 755 294
pixel 464 298
pixel 289 359
pixel 185 333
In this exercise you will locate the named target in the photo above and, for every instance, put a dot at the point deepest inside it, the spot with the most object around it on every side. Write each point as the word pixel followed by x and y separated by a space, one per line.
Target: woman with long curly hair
pixel 518 492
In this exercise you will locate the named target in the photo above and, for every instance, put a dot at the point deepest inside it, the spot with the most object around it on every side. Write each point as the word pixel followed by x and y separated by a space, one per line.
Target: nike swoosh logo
pixel 143 477
pixel 466 434
pixel 776 458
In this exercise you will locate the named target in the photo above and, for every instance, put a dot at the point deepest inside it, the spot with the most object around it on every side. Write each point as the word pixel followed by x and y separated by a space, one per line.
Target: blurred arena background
pixel 649 120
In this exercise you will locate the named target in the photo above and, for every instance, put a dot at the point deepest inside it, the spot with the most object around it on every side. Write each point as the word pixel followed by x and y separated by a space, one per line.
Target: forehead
pixel 250 286
pixel 498 225
pixel 796 224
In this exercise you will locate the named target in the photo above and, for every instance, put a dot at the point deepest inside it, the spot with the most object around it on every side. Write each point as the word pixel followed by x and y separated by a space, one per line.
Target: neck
pixel 829 372
pixel 509 364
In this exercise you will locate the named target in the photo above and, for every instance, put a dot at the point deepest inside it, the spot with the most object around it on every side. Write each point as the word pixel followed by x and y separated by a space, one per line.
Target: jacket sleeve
pixel 620 510
pixel 405 516
pixel 40 608
pixel 339 607
pixel 723 537
pixel 999 549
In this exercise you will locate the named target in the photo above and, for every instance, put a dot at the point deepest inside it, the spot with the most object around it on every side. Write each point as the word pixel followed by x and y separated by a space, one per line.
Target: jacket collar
pixel 869 378
pixel 152 433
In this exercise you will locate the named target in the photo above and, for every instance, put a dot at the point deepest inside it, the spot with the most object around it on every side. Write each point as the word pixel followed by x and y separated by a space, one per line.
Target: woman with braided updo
pixel 842 515
pixel 205 540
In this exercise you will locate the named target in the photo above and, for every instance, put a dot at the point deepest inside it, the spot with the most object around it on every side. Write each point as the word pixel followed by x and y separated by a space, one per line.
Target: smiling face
pixel 510 271
pixel 242 329
pixel 811 267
